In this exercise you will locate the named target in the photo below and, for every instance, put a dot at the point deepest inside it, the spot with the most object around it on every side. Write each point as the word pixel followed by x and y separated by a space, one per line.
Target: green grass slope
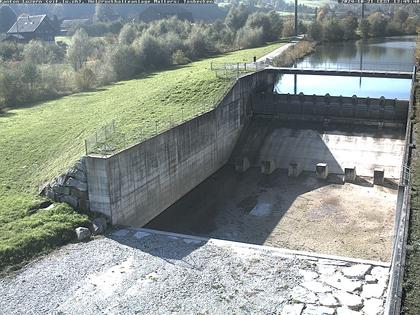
pixel 39 142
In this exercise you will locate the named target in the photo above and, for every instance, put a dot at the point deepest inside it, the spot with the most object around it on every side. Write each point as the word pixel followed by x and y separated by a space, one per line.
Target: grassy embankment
pixel 411 296
pixel 411 304
pixel 39 142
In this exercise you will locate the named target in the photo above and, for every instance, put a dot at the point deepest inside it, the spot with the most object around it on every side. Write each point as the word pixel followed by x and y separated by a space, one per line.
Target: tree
pixel 349 25
pixel 7 18
pixel 249 37
pixel 276 24
pixel 378 24
pixel 30 74
pixel 288 28
pixel 364 28
pixel 260 20
pixel 79 50
pixel 103 13
pixel 315 31
pixel 401 16
pixel 127 34
pixel 236 17
pixel 332 30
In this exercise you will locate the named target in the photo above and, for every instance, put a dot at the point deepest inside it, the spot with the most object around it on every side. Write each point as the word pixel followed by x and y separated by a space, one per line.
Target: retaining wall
pixel 138 183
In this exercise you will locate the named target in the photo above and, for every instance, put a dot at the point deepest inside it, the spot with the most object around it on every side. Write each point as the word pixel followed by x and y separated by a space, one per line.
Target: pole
pixel 296 17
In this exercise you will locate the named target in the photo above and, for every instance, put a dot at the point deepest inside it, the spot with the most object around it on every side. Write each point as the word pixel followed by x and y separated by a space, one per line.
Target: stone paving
pixel 140 271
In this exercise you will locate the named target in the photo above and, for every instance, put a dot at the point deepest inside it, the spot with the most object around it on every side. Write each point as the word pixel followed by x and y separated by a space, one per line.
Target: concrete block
pixel 268 167
pixel 294 169
pixel 322 170
pixel 350 174
pixel 378 176
pixel 242 164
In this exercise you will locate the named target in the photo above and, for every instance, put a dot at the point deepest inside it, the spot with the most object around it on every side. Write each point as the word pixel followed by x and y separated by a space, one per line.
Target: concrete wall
pixel 342 109
pixel 136 184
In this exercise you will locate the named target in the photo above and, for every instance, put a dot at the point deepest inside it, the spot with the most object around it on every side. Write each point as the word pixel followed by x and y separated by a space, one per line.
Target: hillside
pixel 41 141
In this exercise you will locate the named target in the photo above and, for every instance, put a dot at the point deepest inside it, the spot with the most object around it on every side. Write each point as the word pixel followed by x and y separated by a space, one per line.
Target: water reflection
pixel 392 54
pixel 345 86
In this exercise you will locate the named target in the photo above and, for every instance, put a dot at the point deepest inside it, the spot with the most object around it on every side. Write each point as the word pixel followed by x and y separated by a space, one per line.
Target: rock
pixel 99 225
pixel 72 201
pixel 82 233
pixel 370 279
pixel 373 307
pixel 72 182
pixel 318 310
pixel 346 311
pixel 327 269
pixel 375 290
pixel 315 286
pixel 342 283
pixel 308 275
pixel 356 271
pixel 80 165
pixel 327 299
pixel 302 295
pixel 77 174
pixel 292 309
pixel 380 273
pixel 352 301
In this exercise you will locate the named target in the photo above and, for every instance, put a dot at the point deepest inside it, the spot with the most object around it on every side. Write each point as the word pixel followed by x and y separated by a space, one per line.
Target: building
pixel 30 27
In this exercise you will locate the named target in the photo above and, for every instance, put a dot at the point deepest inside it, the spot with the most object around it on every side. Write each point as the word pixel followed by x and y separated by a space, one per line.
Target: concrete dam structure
pixel 314 174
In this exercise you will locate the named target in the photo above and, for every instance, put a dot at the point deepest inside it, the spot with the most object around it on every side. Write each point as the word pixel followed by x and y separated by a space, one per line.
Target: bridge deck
pixel 349 73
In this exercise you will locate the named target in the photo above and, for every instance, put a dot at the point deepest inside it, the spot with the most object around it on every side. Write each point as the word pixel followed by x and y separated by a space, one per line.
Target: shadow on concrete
pixel 166 247
pixel 248 207
pixel 223 205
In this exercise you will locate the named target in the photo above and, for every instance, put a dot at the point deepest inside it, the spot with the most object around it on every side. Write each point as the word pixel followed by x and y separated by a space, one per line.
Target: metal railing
pixel 351 65
pixel 235 70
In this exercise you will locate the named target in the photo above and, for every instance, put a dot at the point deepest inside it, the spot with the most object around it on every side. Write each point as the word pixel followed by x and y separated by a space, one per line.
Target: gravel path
pixel 275 53
pixel 137 271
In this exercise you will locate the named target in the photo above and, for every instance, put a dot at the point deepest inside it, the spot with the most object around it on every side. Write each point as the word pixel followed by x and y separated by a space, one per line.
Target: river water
pixel 384 54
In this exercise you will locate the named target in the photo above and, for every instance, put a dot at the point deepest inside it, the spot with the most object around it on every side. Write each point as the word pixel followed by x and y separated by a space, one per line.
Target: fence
pixel 351 65
pixel 110 139
pixel 235 70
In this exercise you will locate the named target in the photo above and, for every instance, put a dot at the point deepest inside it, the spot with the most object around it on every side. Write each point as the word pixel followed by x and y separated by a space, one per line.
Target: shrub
pixel 246 37
pixel 179 58
pixel 85 79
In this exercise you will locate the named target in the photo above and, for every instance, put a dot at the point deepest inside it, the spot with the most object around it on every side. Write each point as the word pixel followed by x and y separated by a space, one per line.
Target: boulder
pixel 99 225
pixel 82 233
pixel 72 182
pixel 77 174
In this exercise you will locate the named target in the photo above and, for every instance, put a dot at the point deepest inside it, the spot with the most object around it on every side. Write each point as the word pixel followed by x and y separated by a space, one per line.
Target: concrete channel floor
pixel 139 271
pixel 304 213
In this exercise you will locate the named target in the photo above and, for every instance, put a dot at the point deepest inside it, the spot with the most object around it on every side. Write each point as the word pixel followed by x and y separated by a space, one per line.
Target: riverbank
pixel 294 53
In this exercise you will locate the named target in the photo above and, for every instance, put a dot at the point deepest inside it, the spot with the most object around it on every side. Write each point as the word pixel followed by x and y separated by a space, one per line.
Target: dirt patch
pixel 304 213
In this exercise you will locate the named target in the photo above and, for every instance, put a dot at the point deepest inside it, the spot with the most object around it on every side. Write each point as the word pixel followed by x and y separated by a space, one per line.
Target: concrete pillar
pixel 378 176
pixel 267 167
pixel 294 169
pixel 242 164
pixel 322 170
pixel 350 174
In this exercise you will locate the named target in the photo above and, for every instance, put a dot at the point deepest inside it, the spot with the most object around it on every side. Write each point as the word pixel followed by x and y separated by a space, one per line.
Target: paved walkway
pixel 139 271
pixel 275 53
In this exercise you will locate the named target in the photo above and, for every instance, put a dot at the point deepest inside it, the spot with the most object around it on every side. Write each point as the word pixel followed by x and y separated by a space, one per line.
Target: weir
pixel 252 126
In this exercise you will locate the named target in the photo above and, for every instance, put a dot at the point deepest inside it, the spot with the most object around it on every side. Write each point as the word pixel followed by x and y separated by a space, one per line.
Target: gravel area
pixel 134 271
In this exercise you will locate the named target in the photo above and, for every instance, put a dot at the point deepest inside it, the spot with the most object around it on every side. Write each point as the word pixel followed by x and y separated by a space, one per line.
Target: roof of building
pixel 27 24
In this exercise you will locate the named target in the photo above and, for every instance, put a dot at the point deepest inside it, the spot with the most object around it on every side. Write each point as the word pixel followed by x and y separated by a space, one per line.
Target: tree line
pixel 328 26
pixel 38 71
